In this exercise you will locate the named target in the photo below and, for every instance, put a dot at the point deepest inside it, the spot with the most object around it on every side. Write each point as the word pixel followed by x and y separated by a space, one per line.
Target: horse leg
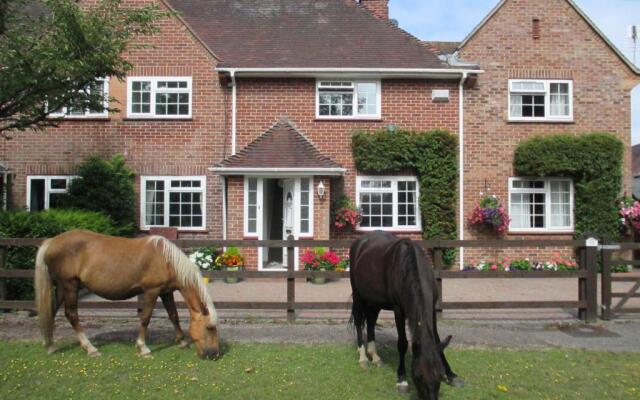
pixel 452 379
pixel 70 295
pixel 372 318
pixel 358 315
pixel 402 385
pixel 149 302
pixel 172 312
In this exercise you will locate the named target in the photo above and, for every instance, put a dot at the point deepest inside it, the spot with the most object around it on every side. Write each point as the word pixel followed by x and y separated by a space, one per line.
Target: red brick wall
pixel 160 147
pixel 567 49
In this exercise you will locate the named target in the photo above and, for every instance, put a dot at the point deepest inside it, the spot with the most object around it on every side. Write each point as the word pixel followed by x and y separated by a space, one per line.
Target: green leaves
pixel 593 161
pixel 52 50
pixel 433 157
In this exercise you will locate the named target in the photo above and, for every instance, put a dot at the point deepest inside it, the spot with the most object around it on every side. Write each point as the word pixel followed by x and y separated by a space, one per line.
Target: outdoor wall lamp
pixel 321 190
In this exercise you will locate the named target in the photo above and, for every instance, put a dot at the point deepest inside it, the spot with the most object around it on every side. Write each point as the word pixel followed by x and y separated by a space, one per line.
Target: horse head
pixel 204 333
pixel 427 368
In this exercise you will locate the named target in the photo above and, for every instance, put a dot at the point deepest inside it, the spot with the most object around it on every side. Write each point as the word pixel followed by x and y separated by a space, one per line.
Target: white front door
pixel 288 213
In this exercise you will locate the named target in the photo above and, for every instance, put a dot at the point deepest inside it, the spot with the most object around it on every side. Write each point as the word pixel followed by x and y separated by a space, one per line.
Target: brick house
pixel 237 121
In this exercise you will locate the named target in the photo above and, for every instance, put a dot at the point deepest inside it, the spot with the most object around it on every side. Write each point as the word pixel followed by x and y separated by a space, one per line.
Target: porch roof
pixel 281 149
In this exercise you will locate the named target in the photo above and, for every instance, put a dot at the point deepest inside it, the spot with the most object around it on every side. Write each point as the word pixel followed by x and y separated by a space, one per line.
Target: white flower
pixel 208 258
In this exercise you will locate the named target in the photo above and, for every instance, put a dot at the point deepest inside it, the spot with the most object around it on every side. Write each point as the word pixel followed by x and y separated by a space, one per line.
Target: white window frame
pixel 167 190
pixel 355 116
pixel 547 100
pixel 47 187
pixel 547 205
pixel 87 113
pixel 394 189
pixel 298 206
pixel 259 197
pixel 154 89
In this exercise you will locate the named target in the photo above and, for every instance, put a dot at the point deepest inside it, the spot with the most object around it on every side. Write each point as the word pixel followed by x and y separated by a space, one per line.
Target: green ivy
pixel 593 161
pixel 432 156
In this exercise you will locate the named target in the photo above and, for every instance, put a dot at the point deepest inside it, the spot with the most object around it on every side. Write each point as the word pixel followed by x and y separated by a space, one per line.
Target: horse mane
pixel 417 294
pixel 187 273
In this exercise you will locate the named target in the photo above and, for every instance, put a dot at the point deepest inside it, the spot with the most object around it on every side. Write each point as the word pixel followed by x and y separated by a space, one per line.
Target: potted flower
pixel 346 215
pixel 230 260
pixel 490 213
pixel 629 217
pixel 204 258
pixel 320 259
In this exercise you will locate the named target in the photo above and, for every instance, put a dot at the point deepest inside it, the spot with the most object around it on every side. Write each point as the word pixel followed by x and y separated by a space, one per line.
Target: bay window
pixel 348 99
pixel 544 205
pixel 540 100
pixel 172 201
pixel 388 202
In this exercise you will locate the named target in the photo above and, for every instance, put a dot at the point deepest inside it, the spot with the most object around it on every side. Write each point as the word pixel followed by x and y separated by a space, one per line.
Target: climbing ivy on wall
pixel 593 161
pixel 433 157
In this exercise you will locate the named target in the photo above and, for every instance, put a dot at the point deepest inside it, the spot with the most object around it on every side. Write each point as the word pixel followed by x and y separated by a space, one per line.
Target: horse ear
pixel 443 345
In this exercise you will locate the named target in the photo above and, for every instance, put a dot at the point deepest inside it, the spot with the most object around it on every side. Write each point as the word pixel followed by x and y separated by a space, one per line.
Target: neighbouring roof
pixel 443 48
pixel 584 16
pixel 302 34
pixel 282 147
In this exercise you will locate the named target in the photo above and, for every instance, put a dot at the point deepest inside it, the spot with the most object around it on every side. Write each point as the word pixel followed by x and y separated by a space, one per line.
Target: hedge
pixel 23 224
pixel 594 162
pixel 432 156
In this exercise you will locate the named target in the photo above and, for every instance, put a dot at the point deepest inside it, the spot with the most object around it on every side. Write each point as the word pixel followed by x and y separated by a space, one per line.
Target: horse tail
pixel 44 295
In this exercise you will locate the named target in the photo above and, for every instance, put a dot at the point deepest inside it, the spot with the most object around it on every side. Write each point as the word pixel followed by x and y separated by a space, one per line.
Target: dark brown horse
pixel 117 269
pixel 388 273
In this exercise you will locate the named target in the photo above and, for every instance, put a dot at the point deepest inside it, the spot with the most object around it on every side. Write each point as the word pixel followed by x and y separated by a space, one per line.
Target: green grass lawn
pixel 259 371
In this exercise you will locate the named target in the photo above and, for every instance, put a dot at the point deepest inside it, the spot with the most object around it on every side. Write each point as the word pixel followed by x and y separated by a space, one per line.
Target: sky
pixel 442 20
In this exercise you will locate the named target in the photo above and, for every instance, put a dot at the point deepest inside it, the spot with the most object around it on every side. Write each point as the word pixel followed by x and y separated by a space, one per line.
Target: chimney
pixel 379 8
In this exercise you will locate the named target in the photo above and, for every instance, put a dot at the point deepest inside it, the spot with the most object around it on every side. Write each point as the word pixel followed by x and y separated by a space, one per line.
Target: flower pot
pixel 318 280
pixel 205 279
pixel 231 279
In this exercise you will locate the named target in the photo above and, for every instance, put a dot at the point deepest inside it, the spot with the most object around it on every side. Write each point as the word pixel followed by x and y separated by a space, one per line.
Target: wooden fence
pixel 610 310
pixel 586 276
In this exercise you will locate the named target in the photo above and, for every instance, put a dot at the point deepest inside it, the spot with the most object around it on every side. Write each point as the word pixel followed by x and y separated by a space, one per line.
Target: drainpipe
pixel 233 112
pixel 224 207
pixel 461 164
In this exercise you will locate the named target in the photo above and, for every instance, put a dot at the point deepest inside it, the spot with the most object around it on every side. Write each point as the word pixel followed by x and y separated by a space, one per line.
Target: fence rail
pixel 586 275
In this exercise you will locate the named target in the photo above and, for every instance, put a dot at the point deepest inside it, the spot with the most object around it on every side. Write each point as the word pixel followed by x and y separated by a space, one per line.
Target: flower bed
pixel 505 265
pixel 321 259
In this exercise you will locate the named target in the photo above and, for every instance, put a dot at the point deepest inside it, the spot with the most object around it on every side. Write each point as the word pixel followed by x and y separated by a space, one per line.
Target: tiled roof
pixel 281 146
pixel 302 34
pixel 444 47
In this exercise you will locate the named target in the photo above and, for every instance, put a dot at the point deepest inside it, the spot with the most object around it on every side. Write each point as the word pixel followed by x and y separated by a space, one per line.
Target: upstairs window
pixel 153 97
pixel 540 100
pixel 544 205
pixel 388 202
pixel 348 99
pixel 79 110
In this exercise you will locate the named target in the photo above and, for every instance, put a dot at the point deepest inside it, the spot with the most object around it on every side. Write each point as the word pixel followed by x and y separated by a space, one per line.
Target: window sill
pixel 159 119
pixel 391 230
pixel 181 230
pixel 80 119
pixel 541 121
pixel 350 119
pixel 540 232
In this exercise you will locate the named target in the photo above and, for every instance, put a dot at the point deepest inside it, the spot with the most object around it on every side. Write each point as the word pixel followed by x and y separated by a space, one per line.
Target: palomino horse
pixel 394 274
pixel 117 269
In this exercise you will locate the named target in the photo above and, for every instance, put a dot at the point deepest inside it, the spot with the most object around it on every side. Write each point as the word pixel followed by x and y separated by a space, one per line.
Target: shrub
pixel 105 186
pixel 594 162
pixel 23 224
pixel 433 157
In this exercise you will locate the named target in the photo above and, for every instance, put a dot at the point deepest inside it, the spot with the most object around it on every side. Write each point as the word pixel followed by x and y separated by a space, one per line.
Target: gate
pixel 614 302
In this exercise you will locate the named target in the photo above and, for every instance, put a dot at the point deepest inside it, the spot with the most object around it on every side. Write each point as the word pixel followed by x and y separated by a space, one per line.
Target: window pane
pixel 58 184
pixel 154 203
pixel 367 98
pixel 141 97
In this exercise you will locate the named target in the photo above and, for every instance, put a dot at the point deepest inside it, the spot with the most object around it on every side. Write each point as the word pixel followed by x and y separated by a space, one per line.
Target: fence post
pixel 3 265
pixel 592 279
pixel 437 264
pixel 606 284
pixel 582 283
pixel 291 282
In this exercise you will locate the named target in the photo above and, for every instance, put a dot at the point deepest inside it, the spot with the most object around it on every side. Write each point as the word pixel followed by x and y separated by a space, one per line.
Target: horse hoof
pixel 456 382
pixel 51 350
pixel 183 344
pixel 146 356
pixel 95 353
pixel 403 387
pixel 378 363
pixel 364 365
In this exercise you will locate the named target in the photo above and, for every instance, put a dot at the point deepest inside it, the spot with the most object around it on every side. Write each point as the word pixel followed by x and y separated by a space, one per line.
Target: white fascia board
pixel 277 171
pixel 433 73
